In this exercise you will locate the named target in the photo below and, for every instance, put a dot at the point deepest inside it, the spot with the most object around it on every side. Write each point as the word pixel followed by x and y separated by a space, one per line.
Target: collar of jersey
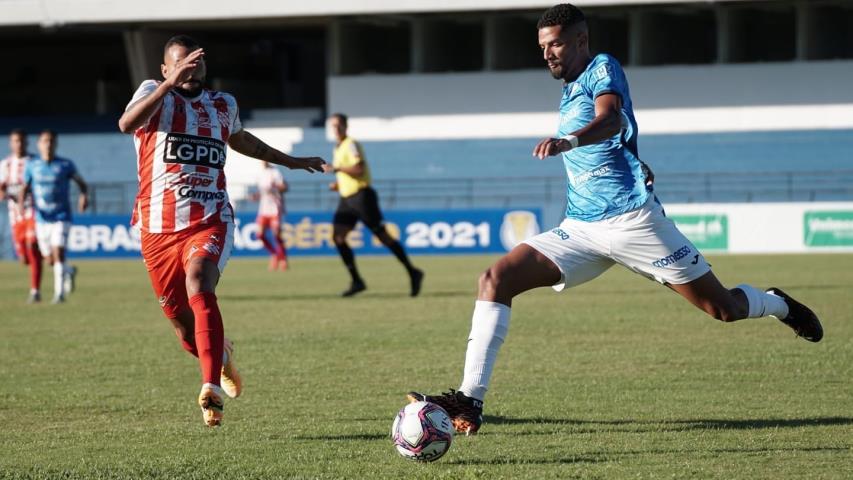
pixel 193 99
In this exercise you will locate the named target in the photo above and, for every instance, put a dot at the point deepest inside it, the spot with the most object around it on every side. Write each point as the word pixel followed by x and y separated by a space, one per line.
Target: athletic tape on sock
pixel 754 299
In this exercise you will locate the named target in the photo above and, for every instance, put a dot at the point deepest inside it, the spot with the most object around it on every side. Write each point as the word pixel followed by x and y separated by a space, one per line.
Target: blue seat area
pixel 446 174
pixel 108 156
pixel 692 153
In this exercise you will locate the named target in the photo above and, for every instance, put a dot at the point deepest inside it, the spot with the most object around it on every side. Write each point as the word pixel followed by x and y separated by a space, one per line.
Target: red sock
pixel 267 244
pixel 34 257
pixel 187 345
pixel 280 250
pixel 209 335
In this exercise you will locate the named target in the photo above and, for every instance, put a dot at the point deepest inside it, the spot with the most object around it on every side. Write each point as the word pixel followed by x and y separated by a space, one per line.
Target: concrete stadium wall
pixel 679 99
pixel 53 12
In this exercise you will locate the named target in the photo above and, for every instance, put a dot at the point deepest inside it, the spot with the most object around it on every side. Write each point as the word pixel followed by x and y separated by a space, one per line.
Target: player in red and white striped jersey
pixel 271 188
pixel 21 221
pixel 180 132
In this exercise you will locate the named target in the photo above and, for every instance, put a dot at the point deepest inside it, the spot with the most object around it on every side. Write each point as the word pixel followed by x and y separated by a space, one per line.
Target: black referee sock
pixel 398 252
pixel 349 261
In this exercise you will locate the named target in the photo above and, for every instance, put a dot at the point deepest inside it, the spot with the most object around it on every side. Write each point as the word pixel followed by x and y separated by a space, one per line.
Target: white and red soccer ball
pixel 422 431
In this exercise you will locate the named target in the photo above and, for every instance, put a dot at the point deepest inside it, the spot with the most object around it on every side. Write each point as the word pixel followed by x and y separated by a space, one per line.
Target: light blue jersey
pixel 605 179
pixel 49 183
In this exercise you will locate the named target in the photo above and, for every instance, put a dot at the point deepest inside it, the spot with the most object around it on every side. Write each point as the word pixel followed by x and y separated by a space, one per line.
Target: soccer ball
pixel 422 431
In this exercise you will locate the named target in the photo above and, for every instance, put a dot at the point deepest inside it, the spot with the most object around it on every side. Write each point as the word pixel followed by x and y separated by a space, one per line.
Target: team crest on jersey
pixel 203 118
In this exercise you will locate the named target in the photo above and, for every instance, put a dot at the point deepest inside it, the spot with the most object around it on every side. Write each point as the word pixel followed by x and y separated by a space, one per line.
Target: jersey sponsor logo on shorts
pixel 189 149
pixel 673 257
pixel 166 301
pixel 560 233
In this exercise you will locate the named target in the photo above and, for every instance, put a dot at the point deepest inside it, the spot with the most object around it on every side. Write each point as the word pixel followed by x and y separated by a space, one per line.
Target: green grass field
pixel 618 378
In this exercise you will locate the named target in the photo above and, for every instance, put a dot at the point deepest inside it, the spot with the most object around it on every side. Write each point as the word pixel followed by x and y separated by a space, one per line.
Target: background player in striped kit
pixel 181 131
pixel 271 190
pixel 23 226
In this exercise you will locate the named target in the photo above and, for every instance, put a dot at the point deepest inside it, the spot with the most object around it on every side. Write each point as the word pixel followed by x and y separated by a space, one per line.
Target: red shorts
pixel 273 222
pixel 24 236
pixel 166 256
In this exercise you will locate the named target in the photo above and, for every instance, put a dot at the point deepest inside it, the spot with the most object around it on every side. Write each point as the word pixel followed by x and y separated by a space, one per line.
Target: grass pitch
pixel 618 378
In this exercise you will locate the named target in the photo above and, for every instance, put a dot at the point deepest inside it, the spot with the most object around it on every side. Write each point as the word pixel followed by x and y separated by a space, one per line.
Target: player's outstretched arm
pixel 251 146
pixel 607 122
pixel 139 113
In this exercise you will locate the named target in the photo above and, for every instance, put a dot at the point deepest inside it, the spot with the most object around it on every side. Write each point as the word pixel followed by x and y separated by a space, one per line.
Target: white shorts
pixel 644 240
pixel 52 234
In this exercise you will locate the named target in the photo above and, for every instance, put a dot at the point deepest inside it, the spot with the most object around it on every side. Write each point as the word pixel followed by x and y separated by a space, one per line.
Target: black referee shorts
pixel 363 206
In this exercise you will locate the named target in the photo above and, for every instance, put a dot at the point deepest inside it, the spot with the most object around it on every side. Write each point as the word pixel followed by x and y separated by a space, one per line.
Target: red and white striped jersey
pixel 271 201
pixel 12 178
pixel 181 158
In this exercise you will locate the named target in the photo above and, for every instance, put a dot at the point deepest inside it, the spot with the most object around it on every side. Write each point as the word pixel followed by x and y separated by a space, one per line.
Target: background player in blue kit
pixel 612 218
pixel 48 178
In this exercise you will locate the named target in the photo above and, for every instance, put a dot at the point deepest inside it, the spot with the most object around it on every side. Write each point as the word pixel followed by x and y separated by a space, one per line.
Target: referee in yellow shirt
pixel 359 202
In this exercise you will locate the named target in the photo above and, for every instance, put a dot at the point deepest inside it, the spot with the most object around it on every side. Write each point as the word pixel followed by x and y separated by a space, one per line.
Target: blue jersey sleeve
pixel 606 76
pixel 72 169
pixel 28 173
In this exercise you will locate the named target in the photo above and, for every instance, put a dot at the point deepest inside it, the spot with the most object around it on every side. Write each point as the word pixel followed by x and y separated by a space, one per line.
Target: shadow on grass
pixel 676 425
pixel 602 457
pixel 330 296
pixel 359 437
pixel 528 461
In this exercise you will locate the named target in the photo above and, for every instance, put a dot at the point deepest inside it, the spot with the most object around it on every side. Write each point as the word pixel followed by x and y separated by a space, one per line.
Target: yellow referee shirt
pixel 348 154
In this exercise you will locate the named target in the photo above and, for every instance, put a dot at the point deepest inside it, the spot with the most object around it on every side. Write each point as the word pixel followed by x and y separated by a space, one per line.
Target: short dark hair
pixel 19 132
pixel 48 131
pixel 340 116
pixel 185 41
pixel 564 15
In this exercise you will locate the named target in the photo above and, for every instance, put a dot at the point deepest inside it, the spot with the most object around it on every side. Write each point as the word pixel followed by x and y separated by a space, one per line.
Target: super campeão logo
pixel 194 185
pixel 194 150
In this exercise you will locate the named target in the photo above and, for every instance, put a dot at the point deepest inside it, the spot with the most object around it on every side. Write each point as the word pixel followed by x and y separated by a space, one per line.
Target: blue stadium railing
pixel 711 187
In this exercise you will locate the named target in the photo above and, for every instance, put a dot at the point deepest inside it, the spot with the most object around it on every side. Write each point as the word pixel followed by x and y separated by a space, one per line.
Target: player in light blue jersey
pixel 613 217
pixel 48 179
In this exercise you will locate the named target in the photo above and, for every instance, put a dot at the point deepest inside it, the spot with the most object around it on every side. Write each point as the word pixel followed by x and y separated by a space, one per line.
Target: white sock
pixel 762 304
pixel 58 278
pixel 489 326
